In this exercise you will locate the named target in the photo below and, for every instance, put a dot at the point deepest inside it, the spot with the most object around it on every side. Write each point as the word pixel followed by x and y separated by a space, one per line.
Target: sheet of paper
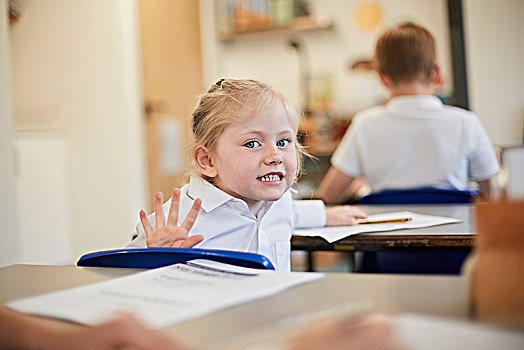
pixel 334 233
pixel 409 331
pixel 164 296
pixel 432 333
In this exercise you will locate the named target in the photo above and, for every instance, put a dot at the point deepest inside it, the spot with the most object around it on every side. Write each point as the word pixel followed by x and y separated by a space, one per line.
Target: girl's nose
pixel 273 157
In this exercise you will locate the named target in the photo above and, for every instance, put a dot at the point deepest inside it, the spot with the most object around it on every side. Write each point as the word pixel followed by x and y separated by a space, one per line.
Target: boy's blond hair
pixel 406 52
pixel 229 101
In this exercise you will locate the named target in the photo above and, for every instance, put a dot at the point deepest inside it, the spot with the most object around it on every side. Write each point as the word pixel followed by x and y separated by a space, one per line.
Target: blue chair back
pixel 426 195
pixel 150 258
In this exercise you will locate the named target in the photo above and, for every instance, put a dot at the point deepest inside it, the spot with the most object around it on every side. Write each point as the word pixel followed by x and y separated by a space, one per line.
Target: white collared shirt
pixel 226 222
pixel 416 141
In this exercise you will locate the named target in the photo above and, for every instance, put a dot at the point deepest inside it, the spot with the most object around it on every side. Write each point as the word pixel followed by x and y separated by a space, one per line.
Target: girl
pixel 246 155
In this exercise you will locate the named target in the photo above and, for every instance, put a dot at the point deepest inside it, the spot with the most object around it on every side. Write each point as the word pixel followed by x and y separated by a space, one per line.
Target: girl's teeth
pixel 270 178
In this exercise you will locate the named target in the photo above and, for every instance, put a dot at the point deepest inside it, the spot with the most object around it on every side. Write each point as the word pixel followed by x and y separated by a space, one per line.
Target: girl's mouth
pixel 271 177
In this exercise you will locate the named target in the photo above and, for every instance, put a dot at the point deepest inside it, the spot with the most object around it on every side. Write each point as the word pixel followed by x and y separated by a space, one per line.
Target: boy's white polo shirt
pixel 416 141
pixel 226 222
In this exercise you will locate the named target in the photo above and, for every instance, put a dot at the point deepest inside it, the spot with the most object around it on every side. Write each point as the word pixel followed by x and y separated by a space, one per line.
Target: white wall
pixel 43 179
pixel 270 58
pixel 495 54
pixel 494 32
pixel 10 251
pixel 75 70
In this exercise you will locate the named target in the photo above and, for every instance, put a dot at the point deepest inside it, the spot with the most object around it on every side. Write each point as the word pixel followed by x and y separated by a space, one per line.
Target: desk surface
pixel 435 295
pixel 422 238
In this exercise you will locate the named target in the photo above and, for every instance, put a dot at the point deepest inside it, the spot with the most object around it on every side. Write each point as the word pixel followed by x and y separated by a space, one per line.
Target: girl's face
pixel 256 160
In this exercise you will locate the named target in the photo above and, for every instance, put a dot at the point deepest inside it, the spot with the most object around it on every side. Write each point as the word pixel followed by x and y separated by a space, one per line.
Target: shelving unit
pixel 321 134
pixel 298 24
pixel 15 11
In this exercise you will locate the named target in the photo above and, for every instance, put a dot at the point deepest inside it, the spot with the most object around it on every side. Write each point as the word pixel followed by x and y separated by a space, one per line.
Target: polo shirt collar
pixel 411 103
pixel 212 197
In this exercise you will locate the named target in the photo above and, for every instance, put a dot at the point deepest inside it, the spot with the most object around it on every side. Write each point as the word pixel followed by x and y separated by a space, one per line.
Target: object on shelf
pixel 238 18
pixel 321 133
pixel 15 11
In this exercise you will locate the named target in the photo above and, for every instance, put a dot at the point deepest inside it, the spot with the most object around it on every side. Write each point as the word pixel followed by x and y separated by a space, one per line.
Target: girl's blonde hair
pixel 229 101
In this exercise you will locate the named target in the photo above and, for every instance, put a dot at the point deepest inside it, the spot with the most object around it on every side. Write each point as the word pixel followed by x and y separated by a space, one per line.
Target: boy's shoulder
pixel 459 111
pixel 380 110
pixel 461 115
pixel 370 113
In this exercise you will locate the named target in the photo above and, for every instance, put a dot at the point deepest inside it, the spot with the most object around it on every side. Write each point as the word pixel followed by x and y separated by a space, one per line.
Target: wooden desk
pixel 435 295
pixel 430 239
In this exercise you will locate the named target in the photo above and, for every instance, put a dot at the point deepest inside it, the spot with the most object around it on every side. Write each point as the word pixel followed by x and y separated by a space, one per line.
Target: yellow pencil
pixel 385 221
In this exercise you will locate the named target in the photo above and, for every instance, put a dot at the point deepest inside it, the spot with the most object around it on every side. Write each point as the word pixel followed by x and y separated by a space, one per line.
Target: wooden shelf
pixel 321 140
pixel 15 11
pixel 299 24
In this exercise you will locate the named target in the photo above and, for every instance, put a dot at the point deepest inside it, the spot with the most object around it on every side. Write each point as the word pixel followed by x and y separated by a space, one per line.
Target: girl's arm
pixel 344 215
pixel 313 213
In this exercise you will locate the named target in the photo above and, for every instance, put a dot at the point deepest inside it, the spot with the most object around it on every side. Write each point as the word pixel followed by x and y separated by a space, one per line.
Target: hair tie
pixel 219 83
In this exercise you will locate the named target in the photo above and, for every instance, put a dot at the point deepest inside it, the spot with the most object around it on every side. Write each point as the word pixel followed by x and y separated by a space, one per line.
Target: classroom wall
pixel 269 57
pixel 494 48
pixel 495 51
pixel 9 239
pixel 75 68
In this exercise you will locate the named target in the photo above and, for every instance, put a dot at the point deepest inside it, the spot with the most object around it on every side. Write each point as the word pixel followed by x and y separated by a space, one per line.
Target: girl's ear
pixel 204 161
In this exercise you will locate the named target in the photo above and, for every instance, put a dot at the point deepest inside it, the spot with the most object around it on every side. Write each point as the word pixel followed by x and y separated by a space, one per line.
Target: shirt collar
pixel 414 103
pixel 212 197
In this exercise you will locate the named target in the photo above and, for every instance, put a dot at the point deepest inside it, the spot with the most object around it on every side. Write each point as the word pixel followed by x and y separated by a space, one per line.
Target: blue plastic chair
pixel 426 195
pixel 414 262
pixel 150 258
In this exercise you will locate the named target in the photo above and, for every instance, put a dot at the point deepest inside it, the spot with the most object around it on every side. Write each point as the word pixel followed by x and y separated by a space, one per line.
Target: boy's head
pixel 406 53
pixel 232 101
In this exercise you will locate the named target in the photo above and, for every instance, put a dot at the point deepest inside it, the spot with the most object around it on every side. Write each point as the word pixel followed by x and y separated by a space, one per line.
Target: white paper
pixel 164 296
pixel 435 333
pixel 334 233
pixel 410 331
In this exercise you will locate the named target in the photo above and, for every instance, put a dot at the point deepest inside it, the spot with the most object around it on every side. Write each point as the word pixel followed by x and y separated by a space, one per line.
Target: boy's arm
pixel 332 188
pixel 485 186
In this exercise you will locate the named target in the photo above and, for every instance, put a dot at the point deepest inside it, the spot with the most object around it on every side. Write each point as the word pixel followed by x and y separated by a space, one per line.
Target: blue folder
pixel 150 258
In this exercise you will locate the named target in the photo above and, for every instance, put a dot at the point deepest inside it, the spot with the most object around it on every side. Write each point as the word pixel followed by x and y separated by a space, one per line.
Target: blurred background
pixel 96 95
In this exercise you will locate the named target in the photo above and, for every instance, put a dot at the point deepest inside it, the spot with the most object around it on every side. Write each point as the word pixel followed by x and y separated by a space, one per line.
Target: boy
pixel 414 140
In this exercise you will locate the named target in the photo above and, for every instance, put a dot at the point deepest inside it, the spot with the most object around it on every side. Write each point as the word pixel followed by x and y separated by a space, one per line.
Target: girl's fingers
pixel 352 222
pixel 159 210
pixel 192 215
pixel 145 223
pixel 172 218
pixel 354 211
pixel 192 241
pixel 359 213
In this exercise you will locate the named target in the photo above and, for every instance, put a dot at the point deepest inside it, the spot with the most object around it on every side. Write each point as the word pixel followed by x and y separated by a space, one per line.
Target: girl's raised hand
pixel 171 235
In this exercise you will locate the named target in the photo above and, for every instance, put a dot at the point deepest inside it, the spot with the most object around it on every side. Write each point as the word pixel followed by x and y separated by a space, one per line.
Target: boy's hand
pixel 344 215
pixel 171 235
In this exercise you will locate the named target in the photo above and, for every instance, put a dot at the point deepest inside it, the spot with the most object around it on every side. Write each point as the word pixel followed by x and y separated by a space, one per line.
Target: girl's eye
pixel 283 142
pixel 252 144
